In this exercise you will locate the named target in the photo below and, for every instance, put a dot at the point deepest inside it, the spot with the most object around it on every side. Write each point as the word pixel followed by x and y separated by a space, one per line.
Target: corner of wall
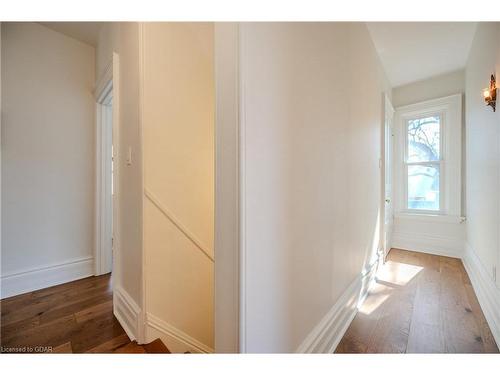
pixel 486 291
pixel 128 313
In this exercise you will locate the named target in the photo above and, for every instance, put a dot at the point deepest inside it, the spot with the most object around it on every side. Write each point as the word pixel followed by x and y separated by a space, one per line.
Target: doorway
pixel 104 181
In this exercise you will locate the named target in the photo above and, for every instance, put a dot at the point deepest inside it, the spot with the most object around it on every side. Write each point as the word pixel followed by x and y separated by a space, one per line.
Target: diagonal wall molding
pixel 170 216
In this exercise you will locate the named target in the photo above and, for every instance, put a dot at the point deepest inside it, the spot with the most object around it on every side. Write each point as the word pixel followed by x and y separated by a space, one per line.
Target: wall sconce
pixel 490 94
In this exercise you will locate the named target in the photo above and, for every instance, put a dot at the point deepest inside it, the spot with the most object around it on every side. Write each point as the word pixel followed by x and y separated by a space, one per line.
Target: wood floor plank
pixel 393 326
pixel 365 321
pixel 156 347
pixel 73 307
pixel 425 338
pixel 64 348
pixel 75 317
pixel 13 329
pixel 425 331
pixel 95 332
pixel 429 307
pixel 41 306
pixel 484 329
pixel 93 311
pixel 110 345
pixel 24 313
pixel 457 311
pixel 79 313
pixel 50 334
pixel 131 348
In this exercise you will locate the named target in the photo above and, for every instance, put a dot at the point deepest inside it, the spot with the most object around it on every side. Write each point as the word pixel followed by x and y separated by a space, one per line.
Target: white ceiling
pixel 86 32
pixel 413 51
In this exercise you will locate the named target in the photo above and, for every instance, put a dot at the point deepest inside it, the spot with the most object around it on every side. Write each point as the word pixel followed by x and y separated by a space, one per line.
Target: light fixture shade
pixel 490 94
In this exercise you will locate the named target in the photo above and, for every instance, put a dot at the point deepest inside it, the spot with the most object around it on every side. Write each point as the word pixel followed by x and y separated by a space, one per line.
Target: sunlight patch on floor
pixel 391 275
pixel 377 296
pixel 398 273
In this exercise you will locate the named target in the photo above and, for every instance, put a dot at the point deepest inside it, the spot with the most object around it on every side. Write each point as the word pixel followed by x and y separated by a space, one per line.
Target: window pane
pixel 423 139
pixel 423 187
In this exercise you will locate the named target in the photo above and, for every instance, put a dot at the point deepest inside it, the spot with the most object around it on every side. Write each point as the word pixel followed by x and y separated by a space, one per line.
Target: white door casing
pixel 388 173
pixel 103 259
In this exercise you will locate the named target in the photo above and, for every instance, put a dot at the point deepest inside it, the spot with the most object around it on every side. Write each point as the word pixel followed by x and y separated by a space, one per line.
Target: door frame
pixel 388 110
pixel 104 205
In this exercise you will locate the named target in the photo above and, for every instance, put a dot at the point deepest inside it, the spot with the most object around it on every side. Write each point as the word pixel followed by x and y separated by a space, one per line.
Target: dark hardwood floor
pixel 75 317
pixel 420 303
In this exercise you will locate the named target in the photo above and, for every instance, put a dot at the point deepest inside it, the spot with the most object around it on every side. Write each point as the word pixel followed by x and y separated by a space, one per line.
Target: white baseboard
pixel 430 244
pixel 327 334
pixel 176 340
pixel 128 313
pixel 486 291
pixel 44 277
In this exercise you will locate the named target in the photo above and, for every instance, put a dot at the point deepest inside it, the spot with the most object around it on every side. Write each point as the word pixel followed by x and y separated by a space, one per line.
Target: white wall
pixel 178 114
pixel 130 174
pixel 47 154
pixel 482 254
pixel 431 88
pixel 483 150
pixel 311 141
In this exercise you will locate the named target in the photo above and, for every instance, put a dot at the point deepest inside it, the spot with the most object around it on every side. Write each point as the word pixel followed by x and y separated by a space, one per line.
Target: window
pixel 423 163
pixel 428 162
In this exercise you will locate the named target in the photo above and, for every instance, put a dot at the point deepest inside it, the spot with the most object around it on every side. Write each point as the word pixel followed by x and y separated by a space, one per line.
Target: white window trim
pixel 450 110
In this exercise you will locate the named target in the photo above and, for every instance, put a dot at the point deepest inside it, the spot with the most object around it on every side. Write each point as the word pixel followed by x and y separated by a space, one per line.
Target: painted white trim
pixel 486 291
pixel 174 220
pixel 103 81
pixel 103 200
pixel 430 217
pixel 127 312
pixel 175 339
pixel 327 334
pixel 387 180
pixel 116 170
pixel 429 244
pixel 451 109
pixel 227 220
pixel 43 277
pixel 141 36
pixel 242 187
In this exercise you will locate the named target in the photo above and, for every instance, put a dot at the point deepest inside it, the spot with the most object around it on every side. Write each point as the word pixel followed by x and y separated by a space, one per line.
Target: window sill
pixel 438 218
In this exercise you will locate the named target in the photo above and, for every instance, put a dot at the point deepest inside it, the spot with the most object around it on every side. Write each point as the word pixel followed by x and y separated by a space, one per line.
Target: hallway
pixel 419 303
pixel 243 182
